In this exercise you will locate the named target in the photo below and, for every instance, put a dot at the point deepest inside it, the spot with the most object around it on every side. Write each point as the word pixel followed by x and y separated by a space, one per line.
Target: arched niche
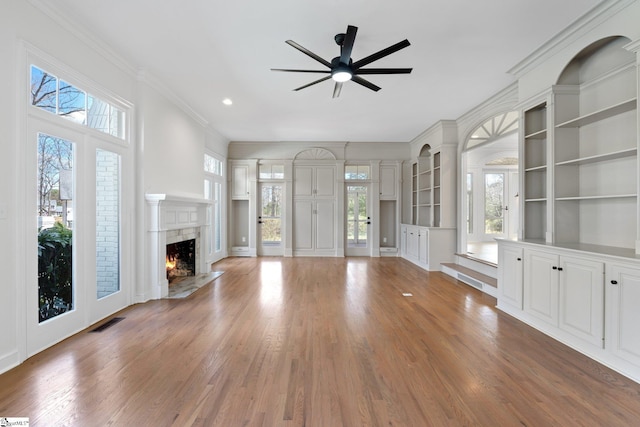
pixel 595 60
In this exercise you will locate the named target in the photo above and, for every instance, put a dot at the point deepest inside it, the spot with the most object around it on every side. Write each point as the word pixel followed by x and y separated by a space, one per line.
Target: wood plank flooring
pixel 318 342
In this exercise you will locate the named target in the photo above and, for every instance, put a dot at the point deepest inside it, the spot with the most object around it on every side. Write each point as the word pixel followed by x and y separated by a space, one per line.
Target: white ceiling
pixel 207 50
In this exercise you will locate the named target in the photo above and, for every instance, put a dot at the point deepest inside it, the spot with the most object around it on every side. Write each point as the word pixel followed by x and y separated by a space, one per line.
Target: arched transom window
pixel 494 128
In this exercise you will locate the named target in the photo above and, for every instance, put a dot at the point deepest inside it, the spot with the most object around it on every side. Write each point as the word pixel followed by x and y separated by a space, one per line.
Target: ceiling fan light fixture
pixel 341 73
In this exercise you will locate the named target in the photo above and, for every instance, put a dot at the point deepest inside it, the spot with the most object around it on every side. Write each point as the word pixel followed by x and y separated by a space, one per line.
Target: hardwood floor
pixel 318 342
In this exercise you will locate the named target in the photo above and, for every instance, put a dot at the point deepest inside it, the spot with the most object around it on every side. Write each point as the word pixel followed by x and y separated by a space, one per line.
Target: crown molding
pixel 155 83
pixel 82 33
pixel 579 27
pixel 634 46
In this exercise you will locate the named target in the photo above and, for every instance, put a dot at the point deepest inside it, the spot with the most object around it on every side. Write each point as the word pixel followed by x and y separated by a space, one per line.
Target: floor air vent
pixel 107 324
pixel 470 281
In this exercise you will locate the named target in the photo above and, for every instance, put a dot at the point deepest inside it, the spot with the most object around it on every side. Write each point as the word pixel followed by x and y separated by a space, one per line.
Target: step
pixel 471 277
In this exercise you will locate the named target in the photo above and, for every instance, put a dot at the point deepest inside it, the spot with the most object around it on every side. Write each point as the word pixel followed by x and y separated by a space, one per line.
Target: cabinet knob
pixel 559 268
pixel 554 267
pixel 519 259
pixel 614 282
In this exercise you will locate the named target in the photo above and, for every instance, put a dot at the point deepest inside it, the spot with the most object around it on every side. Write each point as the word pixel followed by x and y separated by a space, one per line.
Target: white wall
pixel 173 147
pixel 8 340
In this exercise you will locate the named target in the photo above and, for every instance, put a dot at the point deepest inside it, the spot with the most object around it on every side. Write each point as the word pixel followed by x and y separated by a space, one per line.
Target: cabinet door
pixel 582 298
pixel 325 181
pixel 412 242
pixel 423 246
pixel 403 240
pixel 510 276
pixel 303 225
pixel 623 315
pixel 541 285
pixel 240 183
pixel 303 181
pixel 388 182
pixel 324 216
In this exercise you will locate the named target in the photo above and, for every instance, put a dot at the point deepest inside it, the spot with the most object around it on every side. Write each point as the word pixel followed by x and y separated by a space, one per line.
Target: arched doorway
pixel 490 192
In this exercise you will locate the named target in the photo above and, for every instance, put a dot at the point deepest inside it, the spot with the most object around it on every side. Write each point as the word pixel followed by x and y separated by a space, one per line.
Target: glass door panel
pixel 358 220
pixel 494 204
pixel 55 191
pixel 270 219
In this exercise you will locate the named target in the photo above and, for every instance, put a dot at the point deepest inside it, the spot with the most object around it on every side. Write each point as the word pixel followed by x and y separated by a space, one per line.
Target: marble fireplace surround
pixel 171 219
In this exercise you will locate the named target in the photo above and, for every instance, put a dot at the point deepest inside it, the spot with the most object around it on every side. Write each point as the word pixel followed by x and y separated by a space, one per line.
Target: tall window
pixel 214 177
pixel 76 154
pixel 469 203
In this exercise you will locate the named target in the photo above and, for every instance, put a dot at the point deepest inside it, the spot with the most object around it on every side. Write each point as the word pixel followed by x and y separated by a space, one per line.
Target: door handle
pixel 259 222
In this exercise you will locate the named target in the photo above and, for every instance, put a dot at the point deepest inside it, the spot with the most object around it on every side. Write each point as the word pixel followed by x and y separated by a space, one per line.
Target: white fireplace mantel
pixel 166 213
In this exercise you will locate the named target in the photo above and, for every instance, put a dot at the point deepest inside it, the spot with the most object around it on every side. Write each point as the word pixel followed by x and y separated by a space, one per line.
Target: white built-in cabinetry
pixel 427 247
pixel 429 239
pixel 572 295
pixel 575 272
pixel 579 153
pixel 388 214
pixel 242 212
pixel 314 210
pixel 388 182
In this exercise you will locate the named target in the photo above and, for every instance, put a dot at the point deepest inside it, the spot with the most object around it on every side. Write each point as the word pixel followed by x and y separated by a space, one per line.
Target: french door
pixel 73 233
pixel 358 220
pixel 270 219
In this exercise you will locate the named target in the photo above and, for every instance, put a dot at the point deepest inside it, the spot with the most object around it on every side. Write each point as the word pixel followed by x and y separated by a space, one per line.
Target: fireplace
pixel 172 220
pixel 181 259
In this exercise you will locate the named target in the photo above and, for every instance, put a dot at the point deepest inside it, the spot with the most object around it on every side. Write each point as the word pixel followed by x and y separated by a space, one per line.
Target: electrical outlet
pixel 244 239
pixel 384 240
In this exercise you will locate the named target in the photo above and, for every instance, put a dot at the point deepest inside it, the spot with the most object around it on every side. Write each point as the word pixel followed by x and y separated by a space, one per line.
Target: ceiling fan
pixel 342 68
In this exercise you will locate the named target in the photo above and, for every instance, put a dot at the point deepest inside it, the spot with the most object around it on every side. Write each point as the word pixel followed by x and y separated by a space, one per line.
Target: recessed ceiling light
pixel 227 101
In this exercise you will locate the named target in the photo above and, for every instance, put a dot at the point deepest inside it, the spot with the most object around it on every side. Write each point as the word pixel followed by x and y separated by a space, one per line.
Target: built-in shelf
pixel 541 199
pixel 602 114
pixel 607 196
pixel 536 168
pixel 541 134
pixel 600 157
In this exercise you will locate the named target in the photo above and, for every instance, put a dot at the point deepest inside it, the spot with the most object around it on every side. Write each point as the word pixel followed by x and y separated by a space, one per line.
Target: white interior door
pixel 358 220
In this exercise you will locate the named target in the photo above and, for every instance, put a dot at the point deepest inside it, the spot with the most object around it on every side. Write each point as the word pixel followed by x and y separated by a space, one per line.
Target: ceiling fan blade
pixel 381 54
pixel 337 89
pixel 347 46
pixel 365 83
pixel 301 71
pixel 384 71
pixel 308 53
pixel 313 83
